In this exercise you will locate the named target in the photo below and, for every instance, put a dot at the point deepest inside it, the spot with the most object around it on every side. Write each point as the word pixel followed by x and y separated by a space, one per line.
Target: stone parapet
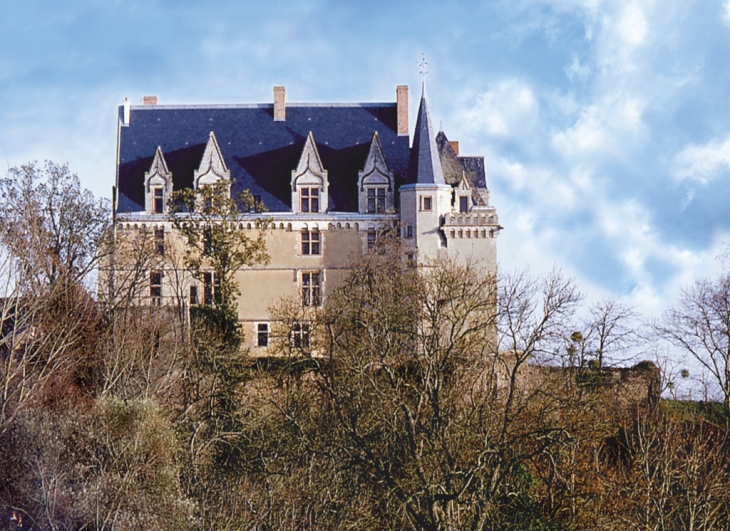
pixel 487 218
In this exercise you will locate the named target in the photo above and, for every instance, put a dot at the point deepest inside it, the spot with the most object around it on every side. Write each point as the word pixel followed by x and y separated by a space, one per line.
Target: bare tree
pixel 46 338
pixel 52 226
pixel 699 324
pixel 401 390
pixel 606 336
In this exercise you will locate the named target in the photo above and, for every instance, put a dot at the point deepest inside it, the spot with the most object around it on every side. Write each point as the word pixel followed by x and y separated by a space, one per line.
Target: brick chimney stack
pixel 149 100
pixel 279 104
pixel 402 107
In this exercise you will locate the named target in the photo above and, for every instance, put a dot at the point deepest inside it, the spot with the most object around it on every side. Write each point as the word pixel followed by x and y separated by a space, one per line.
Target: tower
pixel 425 198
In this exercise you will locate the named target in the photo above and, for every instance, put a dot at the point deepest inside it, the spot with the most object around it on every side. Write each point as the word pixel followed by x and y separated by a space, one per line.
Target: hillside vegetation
pixel 441 399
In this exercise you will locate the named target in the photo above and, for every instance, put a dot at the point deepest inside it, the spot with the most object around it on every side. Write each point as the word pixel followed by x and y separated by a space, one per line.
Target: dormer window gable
pixel 212 166
pixel 157 184
pixel 375 181
pixel 463 196
pixel 309 183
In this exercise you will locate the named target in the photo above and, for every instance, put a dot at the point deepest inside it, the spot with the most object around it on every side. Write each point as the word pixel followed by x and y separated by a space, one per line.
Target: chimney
pixel 279 104
pixel 402 108
pixel 454 145
pixel 149 100
pixel 125 119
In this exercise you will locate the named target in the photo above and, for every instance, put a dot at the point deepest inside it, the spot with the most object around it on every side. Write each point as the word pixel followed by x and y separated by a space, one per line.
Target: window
pixel 207 240
pixel 376 200
pixel 426 203
pixel 310 242
pixel 300 335
pixel 211 289
pixel 408 231
pixel 160 241
pixel 311 288
pixel 207 193
pixel 262 334
pixel 463 204
pixel 256 206
pixel 309 199
pixel 158 200
pixel 371 239
pixel 193 295
pixel 156 287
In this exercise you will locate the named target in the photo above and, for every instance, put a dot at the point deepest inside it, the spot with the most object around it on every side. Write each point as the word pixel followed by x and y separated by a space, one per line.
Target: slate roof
pixel 454 167
pixel 424 166
pixel 260 152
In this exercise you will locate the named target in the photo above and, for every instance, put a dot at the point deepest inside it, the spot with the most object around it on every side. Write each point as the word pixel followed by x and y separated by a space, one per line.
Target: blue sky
pixel 605 125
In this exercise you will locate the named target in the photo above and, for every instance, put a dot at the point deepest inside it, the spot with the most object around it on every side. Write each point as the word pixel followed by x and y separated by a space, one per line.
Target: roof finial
pixel 423 70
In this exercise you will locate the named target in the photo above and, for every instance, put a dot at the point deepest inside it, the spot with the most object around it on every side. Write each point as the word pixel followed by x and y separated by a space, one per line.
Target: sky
pixel 605 125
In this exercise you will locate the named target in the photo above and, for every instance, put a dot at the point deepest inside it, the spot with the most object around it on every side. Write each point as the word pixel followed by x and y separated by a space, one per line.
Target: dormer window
pixel 213 168
pixel 157 185
pixel 463 194
pixel 309 199
pixel 375 182
pixel 309 183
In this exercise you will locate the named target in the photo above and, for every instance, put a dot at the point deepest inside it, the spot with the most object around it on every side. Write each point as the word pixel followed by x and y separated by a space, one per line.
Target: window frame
pixel 426 203
pixel 311 283
pixel 158 199
pixel 309 199
pixel 310 242
pixel 211 289
pixel 156 287
pixel 160 242
pixel 207 241
pixel 463 204
pixel 257 205
pixel 301 335
pixel 263 330
pixel 376 199
pixel 193 299
pixel 372 239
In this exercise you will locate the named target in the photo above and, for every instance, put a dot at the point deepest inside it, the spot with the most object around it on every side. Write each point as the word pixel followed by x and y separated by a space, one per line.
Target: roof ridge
pixel 257 106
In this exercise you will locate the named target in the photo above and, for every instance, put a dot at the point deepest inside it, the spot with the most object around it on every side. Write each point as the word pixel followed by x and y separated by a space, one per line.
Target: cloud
pixel 508 109
pixel 703 163
pixel 726 12
pixel 578 69
pixel 606 126
pixel 632 27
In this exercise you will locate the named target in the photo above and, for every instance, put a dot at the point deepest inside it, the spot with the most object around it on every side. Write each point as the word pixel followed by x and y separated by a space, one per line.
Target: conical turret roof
pixel 424 165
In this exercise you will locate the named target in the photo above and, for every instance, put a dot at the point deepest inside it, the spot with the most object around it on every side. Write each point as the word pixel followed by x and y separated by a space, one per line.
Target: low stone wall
pixel 618 387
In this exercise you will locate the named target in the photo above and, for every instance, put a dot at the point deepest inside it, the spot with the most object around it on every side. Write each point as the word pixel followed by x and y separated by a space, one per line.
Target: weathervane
pixel 422 68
